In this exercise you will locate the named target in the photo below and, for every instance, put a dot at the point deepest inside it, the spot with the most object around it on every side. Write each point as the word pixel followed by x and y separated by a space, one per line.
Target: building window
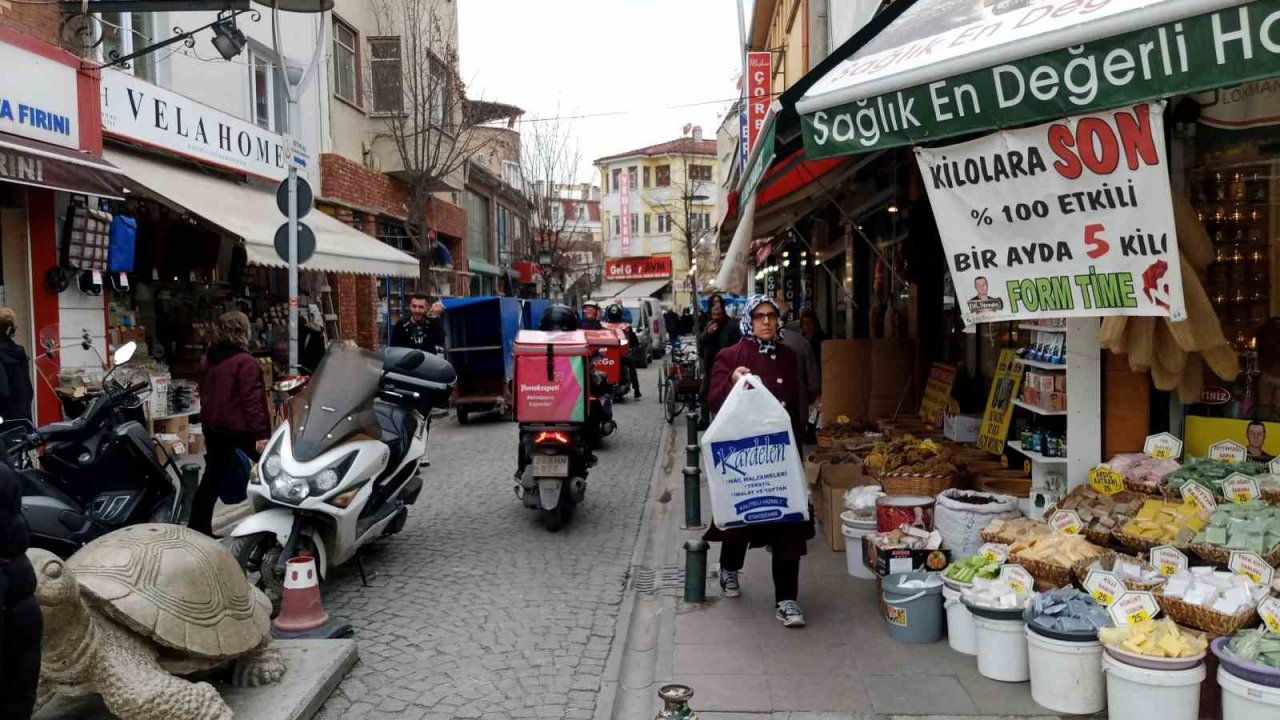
pixel 124 33
pixel 617 173
pixel 557 212
pixel 662 176
pixel 441 94
pixel 646 177
pixel 700 172
pixel 699 222
pixel 580 212
pixel 664 224
pixel 268 97
pixel 512 175
pixel 504 234
pixel 635 223
pixel 646 223
pixel 478 221
pixel 387 75
pixel 631 175
pixel 346 62
pixel 617 226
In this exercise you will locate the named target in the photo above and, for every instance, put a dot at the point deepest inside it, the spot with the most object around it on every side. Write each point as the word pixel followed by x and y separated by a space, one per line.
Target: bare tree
pixel 686 196
pixel 551 160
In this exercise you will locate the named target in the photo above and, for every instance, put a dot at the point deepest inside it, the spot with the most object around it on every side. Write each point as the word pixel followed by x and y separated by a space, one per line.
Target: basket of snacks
pixel 1011 531
pixel 1134 572
pixel 1252 526
pixel 1161 522
pixel 1213 601
pixel 1052 559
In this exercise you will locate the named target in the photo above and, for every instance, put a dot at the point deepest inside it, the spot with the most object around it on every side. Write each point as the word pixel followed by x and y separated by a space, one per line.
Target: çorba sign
pixel 136 110
pixel 641 268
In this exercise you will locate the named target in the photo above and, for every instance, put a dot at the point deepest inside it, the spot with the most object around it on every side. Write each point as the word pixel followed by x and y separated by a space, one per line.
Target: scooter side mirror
pixel 124 353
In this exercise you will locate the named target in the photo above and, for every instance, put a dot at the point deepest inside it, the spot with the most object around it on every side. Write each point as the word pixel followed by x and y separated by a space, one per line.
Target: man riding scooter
pixel 562 318
pixel 590 316
pixel 614 315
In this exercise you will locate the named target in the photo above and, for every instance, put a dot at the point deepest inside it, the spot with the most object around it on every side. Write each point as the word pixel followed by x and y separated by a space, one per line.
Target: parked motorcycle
pixel 99 472
pixel 342 470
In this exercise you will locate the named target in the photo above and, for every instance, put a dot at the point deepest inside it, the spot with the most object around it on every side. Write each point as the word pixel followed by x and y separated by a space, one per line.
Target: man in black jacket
pixel 21 624
pixel 424 330
pixel 15 372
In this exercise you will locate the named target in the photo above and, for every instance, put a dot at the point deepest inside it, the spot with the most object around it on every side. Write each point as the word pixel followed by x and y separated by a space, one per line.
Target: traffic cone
pixel 302 614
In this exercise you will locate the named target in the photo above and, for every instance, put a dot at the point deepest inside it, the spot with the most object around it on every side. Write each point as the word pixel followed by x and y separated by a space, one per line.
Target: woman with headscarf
pixel 760 353
pixel 720 332
pixel 234 416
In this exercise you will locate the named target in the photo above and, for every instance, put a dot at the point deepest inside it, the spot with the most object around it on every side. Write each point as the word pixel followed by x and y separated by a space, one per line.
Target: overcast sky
pixel 638 58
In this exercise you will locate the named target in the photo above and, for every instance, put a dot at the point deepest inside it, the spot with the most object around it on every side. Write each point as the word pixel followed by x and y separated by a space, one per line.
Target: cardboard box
pixel 1060 382
pixel 1056 402
pixel 961 428
pixel 178 426
pixel 890 562
pixel 173 443
pixel 828 497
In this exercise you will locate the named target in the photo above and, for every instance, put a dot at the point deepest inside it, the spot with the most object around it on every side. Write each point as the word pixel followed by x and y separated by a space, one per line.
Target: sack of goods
pixel 754 471
pixel 962 514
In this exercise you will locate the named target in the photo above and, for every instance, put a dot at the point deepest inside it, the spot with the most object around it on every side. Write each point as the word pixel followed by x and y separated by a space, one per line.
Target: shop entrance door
pixel 15 262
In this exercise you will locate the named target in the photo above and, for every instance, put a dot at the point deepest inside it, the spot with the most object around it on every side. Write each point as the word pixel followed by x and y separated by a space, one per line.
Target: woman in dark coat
pixel 720 332
pixel 760 354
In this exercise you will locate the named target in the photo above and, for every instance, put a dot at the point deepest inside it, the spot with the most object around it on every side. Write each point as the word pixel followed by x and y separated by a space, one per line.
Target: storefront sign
pixel 1066 522
pixel 1269 611
pixel 1214 395
pixel 624 212
pixel 1233 440
pixel 38 98
pixel 1213 50
pixel 1018 578
pixel 1105 480
pixel 641 268
pixel 994 552
pixel 1239 488
pixel 759 94
pixel 1162 446
pixel 1252 566
pixel 1198 495
pixel 937 393
pixel 1105 587
pixel 69 176
pixel 1228 451
pixel 136 110
pixel 1168 559
pixel 1072 218
pixel 1004 389
pixel 1133 607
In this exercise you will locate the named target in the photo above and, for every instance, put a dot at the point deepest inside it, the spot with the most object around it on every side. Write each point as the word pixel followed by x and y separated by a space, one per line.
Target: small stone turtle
pixel 134 608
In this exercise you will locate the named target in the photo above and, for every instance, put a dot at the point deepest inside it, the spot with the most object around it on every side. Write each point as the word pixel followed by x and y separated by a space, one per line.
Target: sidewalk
pixel 743 664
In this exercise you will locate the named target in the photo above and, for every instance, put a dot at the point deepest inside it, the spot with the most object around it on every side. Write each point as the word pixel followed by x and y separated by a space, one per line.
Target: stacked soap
pixel 1068 610
pixel 996 595
pixel 1253 526
pixel 1222 592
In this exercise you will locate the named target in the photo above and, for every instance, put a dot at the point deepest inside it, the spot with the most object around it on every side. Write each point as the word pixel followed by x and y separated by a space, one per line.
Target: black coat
pixel 426 335
pixel 16 392
pixel 20 620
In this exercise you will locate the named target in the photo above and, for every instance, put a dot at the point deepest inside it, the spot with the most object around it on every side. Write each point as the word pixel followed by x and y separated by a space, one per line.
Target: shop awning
pixel 950 67
pixel 483 267
pixel 39 164
pixel 251 213
pixel 640 289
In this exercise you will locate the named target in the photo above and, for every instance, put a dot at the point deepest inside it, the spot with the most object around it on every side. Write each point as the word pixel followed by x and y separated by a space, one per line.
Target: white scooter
pixel 343 469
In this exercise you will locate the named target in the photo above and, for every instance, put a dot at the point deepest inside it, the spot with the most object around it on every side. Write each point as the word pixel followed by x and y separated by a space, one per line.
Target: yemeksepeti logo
pixel 745 455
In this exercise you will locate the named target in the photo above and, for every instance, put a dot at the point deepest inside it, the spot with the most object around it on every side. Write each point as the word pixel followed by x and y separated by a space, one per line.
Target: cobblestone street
pixel 478 611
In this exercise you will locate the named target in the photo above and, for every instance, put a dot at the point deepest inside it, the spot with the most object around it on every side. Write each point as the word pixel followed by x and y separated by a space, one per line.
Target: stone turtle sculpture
pixel 137 607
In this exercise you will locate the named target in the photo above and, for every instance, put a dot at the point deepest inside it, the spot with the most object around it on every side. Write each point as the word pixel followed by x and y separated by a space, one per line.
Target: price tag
pixel 1105 480
pixel 1168 560
pixel 1018 578
pixel 1269 609
pixel 1199 496
pixel 994 552
pixel 1228 451
pixel 1133 607
pixel 1066 521
pixel 97 277
pixel 1239 488
pixel 1252 566
pixel 1104 586
pixel 124 281
pixel 1162 446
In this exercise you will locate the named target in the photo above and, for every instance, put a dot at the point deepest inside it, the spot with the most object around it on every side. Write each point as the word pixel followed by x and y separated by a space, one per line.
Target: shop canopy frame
pixel 251 213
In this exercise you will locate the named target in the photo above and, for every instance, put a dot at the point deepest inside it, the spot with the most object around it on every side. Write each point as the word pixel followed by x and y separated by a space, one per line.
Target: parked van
pixel 637 313
pixel 657 328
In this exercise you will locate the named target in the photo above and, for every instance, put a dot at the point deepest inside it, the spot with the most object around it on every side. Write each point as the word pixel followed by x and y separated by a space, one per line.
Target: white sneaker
pixel 729 586
pixel 789 613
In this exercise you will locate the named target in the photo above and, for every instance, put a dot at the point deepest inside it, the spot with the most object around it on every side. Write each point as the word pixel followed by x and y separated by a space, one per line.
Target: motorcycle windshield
pixel 338 402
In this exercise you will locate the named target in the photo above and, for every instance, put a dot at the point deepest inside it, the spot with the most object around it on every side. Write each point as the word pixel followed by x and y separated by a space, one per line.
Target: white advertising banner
pixel 38 98
pixel 1072 218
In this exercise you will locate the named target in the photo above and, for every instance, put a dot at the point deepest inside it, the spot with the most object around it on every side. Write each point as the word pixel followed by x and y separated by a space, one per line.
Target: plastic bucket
pixel 1244 700
pixel 960 628
pixel 1002 649
pixel 1134 692
pixel 853 531
pixel 1066 677
pixel 912 615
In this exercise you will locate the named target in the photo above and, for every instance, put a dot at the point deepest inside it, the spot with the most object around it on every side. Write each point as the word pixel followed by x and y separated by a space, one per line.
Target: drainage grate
pixel 650 581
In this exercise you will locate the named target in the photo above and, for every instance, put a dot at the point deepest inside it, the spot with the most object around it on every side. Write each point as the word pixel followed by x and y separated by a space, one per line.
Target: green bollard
pixel 695 571
pixel 692 499
pixel 675 703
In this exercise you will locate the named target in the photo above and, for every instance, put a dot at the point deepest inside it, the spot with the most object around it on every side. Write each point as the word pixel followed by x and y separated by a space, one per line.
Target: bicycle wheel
pixel 662 383
pixel 671 408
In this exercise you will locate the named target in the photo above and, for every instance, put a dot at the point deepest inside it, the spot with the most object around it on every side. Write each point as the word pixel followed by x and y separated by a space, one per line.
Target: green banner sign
pixel 1208 51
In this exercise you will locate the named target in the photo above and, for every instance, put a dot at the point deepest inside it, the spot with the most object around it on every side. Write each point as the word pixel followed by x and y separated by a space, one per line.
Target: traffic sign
pixel 306 197
pixel 306 242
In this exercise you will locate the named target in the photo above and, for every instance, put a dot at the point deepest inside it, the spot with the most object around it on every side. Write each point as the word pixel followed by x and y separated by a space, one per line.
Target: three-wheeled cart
pixel 479 337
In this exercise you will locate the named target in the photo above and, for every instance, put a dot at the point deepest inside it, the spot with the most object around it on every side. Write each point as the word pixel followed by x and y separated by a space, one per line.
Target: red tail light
pixel 544 438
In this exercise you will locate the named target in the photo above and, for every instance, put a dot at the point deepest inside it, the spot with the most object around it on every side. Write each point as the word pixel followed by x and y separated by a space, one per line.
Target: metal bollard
pixel 675 703
pixel 692 476
pixel 691 452
pixel 695 571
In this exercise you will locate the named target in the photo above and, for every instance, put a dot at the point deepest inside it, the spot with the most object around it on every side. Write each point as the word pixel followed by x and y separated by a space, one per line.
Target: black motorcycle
pixel 98 473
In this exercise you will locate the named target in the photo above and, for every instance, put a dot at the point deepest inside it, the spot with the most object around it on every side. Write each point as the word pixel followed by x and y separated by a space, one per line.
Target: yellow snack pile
pixel 1158 638
pixel 1166 521
pixel 1056 549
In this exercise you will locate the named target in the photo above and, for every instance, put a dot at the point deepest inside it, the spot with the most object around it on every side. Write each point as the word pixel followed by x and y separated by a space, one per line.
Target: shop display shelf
pixel 1039 410
pixel 1041 328
pixel 1036 457
pixel 1042 365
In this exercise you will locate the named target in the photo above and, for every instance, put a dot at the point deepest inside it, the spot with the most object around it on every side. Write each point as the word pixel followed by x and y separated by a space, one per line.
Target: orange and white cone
pixel 300 608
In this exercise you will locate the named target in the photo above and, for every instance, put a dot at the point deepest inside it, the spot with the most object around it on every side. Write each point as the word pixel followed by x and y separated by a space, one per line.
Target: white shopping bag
pixel 753 464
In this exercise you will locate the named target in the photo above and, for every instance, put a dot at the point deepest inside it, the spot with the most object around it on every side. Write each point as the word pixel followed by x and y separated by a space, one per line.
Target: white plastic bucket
pixel 1134 692
pixel 853 534
pixel 1244 700
pixel 1066 677
pixel 960 628
pixel 1002 649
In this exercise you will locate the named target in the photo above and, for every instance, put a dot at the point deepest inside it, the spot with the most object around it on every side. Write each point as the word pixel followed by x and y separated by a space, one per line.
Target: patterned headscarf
pixel 766 346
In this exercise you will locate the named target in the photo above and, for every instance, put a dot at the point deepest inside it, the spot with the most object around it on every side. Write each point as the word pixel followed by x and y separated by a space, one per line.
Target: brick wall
pixel 349 181
pixel 347 304
pixel 38 21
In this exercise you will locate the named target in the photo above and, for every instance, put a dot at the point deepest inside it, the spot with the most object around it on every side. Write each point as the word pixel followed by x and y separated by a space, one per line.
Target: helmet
pixel 590 303
pixel 558 317
pixel 613 314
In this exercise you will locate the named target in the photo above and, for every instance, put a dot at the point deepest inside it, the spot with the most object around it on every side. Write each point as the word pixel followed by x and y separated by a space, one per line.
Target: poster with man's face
pixel 983 302
pixel 1260 439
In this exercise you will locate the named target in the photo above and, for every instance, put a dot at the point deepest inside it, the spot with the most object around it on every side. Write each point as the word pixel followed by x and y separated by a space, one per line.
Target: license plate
pixel 551 465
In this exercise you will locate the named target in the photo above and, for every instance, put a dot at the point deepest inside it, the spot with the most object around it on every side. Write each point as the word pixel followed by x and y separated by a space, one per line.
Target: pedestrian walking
pixel 672 322
pixel 233 412
pixel 15 371
pixel 761 353
pixel 721 332
pixel 810 375
pixel 21 624
pixel 424 330
pixel 812 330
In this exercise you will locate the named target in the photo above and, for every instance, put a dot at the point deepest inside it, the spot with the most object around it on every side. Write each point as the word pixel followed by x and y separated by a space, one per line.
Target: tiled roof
pixel 682 146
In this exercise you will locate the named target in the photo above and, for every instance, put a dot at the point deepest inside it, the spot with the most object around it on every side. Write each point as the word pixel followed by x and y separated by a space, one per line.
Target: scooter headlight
pixel 290 489
pixel 272 465
pixel 326 480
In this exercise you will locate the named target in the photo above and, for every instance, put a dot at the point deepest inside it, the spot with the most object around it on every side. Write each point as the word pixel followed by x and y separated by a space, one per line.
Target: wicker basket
pixel 1048 576
pixel 1175 494
pixel 1108 560
pixel 1148 489
pixel 1220 556
pixel 895 483
pixel 1133 542
pixel 1200 617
